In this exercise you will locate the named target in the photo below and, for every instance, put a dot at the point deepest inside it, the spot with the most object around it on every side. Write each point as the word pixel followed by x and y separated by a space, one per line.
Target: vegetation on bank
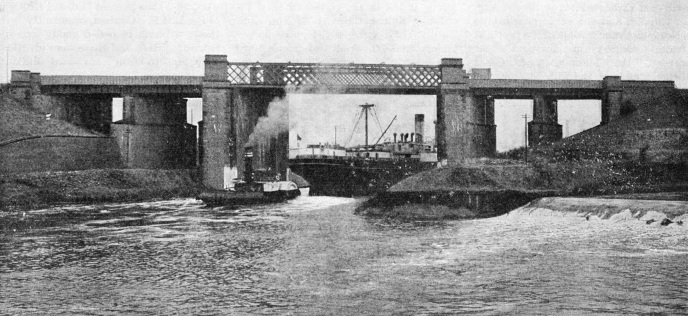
pixel 579 177
pixel 491 187
pixel 43 189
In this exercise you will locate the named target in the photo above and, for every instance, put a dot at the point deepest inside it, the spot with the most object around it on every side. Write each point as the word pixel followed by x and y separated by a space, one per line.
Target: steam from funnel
pixel 271 125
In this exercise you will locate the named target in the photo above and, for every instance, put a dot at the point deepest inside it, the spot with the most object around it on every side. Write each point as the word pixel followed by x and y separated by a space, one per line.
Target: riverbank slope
pixel 42 189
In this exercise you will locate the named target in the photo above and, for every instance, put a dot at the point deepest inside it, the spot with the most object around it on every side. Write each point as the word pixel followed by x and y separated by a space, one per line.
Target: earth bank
pixel 26 191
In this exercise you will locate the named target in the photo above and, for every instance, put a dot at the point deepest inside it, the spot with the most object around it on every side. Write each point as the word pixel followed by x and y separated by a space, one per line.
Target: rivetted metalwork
pixel 188 86
pixel 123 80
pixel 534 84
pixel 352 75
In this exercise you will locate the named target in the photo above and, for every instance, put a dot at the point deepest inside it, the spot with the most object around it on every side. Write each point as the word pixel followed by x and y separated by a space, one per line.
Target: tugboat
pixel 249 191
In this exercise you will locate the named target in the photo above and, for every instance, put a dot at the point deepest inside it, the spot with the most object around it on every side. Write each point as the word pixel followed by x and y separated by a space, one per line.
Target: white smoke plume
pixel 271 125
pixel 277 119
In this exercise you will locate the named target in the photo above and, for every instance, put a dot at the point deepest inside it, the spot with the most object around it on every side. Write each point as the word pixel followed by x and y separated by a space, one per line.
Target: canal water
pixel 313 256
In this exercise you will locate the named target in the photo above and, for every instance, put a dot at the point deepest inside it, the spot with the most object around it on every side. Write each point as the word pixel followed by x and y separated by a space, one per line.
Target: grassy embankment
pixel 22 191
pixel 43 189
pixel 19 120
pixel 646 151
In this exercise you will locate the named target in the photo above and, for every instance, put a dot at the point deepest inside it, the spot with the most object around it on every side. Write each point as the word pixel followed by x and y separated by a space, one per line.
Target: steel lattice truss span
pixel 351 75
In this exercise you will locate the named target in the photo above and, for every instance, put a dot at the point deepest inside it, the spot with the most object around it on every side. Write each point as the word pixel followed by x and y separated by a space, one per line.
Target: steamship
pixel 364 169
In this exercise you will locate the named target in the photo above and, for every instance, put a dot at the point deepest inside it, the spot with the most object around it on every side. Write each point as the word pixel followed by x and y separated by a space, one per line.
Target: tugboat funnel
pixel 248 164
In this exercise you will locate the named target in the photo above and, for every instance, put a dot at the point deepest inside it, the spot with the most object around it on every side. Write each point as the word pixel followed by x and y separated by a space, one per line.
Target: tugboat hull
pixel 265 193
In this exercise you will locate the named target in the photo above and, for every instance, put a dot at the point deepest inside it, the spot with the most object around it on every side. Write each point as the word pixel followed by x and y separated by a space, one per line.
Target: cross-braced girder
pixel 351 75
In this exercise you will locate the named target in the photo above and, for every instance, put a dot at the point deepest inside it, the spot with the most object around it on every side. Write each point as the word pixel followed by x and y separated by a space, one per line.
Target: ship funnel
pixel 420 126
pixel 395 137
pixel 248 164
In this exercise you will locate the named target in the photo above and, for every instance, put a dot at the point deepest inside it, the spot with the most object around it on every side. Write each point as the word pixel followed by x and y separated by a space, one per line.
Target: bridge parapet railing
pixel 314 74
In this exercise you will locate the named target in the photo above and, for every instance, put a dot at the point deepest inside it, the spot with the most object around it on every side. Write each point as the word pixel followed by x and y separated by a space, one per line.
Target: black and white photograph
pixel 362 157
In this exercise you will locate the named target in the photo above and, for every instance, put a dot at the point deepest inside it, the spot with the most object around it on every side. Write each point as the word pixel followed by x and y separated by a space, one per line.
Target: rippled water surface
pixel 312 256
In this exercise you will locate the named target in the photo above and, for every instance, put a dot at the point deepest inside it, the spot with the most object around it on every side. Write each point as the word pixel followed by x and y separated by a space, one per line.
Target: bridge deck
pixel 353 79
pixel 525 89
pixel 534 84
pixel 122 80
pixel 184 86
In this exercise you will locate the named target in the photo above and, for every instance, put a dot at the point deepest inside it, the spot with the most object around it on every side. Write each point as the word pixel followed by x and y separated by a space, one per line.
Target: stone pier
pixel 611 98
pixel 230 115
pixel 465 122
pixel 153 133
pixel 544 127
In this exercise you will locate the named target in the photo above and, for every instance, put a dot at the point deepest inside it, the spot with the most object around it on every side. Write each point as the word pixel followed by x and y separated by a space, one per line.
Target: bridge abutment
pixel 90 112
pixel 544 127
pixel 93 112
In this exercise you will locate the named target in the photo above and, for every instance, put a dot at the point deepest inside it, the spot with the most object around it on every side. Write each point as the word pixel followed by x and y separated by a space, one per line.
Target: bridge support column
pixel 216 142
pixel 153 109
pixel 153 133
pixel 544 126
pixel 611 99
pixel 230 116
pixel 465 123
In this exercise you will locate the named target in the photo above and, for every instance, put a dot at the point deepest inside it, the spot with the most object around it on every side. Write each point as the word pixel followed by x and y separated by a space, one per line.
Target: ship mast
pixel 366 107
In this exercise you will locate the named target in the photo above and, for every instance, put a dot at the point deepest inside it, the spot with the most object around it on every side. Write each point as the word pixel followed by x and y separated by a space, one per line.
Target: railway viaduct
pixel 153 132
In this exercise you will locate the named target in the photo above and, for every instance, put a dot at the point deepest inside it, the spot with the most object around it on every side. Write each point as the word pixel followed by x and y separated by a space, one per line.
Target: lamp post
pixel 525 140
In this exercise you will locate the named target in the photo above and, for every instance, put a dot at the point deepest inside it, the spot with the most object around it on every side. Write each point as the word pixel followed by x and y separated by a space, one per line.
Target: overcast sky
pixel 642 40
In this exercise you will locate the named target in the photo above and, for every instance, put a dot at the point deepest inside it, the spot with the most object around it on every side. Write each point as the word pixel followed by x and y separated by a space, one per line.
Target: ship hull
pixel 338 176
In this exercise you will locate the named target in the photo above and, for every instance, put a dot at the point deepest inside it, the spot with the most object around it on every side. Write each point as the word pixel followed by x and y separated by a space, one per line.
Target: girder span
pixel 350 75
